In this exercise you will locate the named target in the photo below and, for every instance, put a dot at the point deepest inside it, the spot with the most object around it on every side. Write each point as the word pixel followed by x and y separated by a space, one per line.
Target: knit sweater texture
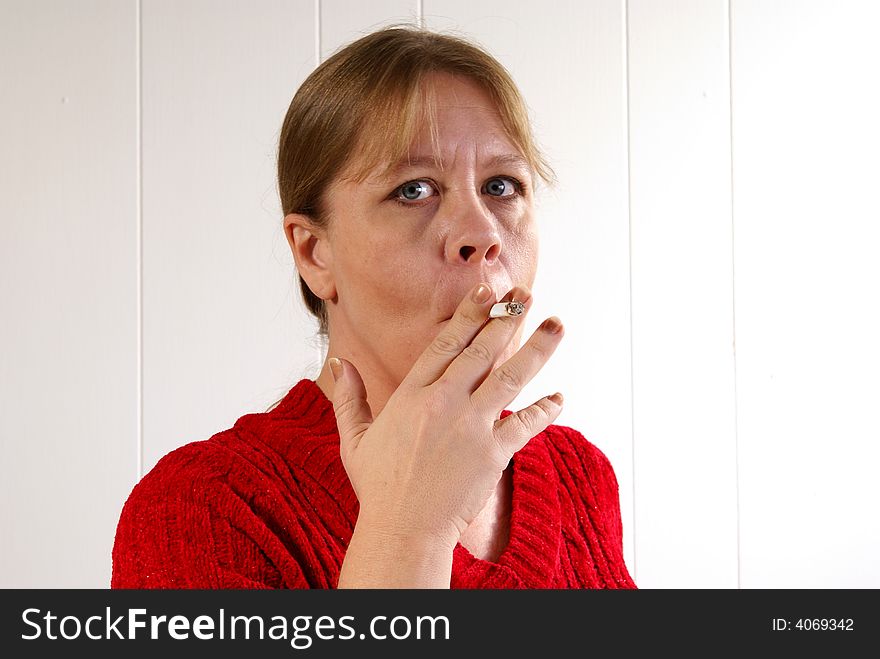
pixel 268 504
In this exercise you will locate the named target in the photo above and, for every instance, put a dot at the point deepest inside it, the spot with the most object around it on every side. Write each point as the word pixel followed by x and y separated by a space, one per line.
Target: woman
pixel 406 170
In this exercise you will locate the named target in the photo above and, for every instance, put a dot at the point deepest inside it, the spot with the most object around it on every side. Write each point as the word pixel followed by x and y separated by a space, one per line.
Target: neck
pixel 380 381
pixel 377 381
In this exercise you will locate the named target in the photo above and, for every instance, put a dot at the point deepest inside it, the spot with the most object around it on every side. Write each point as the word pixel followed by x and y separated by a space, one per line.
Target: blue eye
pixel 412 189
pixel 498 188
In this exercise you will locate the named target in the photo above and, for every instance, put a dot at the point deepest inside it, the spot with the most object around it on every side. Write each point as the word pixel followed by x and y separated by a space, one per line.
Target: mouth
pixel 496 288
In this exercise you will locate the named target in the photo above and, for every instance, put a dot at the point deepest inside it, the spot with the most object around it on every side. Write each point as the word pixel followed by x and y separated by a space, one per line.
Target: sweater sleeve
pixel 605 485
pixel 610 494
pixel 185 526
pixel 604 491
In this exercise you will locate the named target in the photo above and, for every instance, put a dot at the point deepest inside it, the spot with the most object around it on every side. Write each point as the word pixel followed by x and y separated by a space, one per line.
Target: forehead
pixel 445 90
pixel 428 126
pixel 509 159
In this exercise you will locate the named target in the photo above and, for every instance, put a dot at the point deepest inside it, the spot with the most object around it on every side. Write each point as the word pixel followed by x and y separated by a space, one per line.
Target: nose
pixel 473 236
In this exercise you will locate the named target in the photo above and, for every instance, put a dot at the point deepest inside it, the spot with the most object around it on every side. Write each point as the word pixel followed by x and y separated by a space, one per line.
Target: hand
pixel 427 465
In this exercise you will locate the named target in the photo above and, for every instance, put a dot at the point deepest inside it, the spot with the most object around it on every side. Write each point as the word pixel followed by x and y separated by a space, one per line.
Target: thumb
pixel 353 414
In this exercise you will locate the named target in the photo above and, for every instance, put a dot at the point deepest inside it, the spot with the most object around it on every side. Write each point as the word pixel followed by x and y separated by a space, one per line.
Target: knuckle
pixel 473 315
pixel 345 407
pixel 539 348
pixel 438 395
pixel 446 344
pixel 478 352
pixel 529 417
pixel 509 377
pixel 545 408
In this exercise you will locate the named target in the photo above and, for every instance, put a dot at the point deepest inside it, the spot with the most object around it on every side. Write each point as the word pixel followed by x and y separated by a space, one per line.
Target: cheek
pixel 522 249
pixel 384 277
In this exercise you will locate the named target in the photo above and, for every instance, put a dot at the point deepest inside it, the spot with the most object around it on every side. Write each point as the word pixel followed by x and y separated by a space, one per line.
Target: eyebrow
pixel 421 161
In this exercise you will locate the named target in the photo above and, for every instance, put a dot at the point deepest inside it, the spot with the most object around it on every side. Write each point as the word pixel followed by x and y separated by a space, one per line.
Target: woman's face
pixel 404 250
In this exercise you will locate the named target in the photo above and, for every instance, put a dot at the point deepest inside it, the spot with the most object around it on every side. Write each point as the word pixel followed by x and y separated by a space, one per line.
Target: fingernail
pixel 556 398
pixel 335 368
pixel 552 325
pixel 481 294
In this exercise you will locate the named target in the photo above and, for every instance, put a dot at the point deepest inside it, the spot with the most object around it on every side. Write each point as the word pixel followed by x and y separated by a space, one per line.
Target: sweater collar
pixel 306 403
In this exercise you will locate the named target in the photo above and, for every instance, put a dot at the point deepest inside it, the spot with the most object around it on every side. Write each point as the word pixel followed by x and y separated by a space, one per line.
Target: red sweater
pixel 267 504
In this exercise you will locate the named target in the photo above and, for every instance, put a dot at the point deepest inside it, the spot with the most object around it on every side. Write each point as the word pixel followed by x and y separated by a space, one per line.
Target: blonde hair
pixel 367 99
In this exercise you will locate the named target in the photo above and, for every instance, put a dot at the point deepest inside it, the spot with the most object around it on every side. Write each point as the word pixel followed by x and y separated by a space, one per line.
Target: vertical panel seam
pixel 631 350
pixel 420 6
pixel 317 33
pixel 733 296
pixel 139 212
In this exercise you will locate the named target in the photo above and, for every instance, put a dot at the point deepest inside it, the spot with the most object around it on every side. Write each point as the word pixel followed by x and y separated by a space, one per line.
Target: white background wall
pixel 711 247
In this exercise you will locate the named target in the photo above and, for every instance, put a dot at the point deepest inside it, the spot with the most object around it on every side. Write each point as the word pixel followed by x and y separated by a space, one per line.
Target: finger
pixel 476 361
pixel 505 383
pixel 353 414
pixel 515 430
pixel 469 317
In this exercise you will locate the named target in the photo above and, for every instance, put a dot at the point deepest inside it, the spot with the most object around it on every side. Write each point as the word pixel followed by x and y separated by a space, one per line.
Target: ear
pixel 312 254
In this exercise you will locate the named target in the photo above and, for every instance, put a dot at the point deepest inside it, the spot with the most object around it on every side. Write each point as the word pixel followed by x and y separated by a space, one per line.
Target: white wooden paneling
pixel 806 139
pixel 343 21
pixel 68 287
pixel 569 65
pixel 682 304
pixel 225 332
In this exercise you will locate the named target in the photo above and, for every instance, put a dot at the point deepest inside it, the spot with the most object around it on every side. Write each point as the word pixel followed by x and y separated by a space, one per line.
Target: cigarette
pixel 512 308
